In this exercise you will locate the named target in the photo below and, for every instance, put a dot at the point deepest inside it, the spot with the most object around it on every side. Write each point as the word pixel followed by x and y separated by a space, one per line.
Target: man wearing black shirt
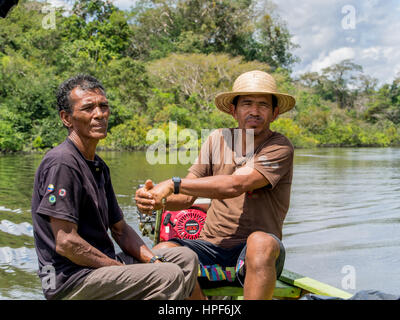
pixel 74 206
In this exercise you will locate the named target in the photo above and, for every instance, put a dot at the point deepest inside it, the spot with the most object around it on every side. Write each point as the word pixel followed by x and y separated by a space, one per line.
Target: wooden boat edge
pixel 290 286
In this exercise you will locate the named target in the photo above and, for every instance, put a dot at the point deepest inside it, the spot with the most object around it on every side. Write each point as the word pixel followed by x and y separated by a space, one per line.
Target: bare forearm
pixel 131 243
pixel 84 254
pixel 214 187
pixel 177 202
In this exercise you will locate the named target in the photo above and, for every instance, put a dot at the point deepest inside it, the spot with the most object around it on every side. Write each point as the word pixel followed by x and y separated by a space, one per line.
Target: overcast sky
pixel 329 31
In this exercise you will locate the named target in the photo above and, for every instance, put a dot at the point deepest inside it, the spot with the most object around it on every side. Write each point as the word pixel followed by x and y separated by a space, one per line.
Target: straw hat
pixel 250 83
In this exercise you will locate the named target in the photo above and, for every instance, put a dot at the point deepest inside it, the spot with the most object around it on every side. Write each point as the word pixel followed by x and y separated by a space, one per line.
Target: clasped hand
pixel 150 197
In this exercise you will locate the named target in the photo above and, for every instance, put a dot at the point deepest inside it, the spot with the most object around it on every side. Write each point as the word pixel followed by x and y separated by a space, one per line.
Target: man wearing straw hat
pixel 247 172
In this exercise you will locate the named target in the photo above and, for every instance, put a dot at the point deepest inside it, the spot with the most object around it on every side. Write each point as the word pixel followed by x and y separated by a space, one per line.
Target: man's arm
pixel 225 186
pixel 130 242
pixel 213 187
pixel 72 246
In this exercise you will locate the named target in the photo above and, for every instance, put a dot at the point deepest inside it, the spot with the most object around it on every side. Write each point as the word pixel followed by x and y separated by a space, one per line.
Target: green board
pixel 282 290
pixel 290 285
pixel 312 285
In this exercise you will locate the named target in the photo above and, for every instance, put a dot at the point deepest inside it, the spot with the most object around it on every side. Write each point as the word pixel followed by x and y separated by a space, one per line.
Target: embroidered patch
pixel 52 199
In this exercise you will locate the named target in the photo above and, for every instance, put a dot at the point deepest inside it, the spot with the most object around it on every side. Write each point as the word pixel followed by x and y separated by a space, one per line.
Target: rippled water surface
pixel 343 226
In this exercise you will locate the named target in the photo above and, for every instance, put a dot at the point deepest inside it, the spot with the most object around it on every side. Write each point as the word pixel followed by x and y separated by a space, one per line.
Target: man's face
pixel 90 112
pixel 254 112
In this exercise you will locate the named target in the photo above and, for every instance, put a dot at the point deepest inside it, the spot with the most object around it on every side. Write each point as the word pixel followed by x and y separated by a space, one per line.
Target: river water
pixel 342 228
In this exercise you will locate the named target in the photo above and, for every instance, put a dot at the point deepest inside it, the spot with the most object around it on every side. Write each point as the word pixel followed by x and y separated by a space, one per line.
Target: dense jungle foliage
pixel 165 60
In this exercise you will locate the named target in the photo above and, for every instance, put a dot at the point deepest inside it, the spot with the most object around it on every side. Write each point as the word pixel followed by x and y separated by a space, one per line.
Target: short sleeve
pixel 273 162
pixel 61 188
pixel 115 213
pixel 202 167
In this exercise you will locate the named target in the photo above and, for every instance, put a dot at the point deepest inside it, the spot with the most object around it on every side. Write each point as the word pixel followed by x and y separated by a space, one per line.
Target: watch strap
pixel 160 258
pixel 177 184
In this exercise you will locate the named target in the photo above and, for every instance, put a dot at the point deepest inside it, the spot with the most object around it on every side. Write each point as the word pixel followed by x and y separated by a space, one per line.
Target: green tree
pixel 166 60
pixel 96 30
pixel 385 103
pixel 337 83
pixel 128 88
pixel 271 42
pixel 198 77
pixel 203 26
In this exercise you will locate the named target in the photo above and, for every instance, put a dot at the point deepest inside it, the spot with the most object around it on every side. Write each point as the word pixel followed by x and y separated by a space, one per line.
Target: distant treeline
pixel 165 60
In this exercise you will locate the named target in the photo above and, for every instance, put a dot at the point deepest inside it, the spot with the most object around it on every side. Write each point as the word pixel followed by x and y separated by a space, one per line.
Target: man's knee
pixel 188 261
pixel 176 253
pixel 189 255
pixel 186 258
pixel 166 244
pixel 172 273
pixel 262 249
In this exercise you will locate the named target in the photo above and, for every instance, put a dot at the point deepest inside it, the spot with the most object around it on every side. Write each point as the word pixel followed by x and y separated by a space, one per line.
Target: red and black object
pixel 183 224
pixel 5 6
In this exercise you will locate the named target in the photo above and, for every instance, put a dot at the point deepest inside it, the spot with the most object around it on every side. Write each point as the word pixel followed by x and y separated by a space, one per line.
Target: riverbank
pixel 141 149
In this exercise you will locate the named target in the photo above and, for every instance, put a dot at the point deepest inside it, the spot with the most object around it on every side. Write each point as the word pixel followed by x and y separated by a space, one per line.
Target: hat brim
pixel 223 101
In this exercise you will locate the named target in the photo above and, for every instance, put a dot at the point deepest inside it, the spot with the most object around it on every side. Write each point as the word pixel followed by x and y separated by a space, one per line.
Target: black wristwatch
pixel 160 258
pixel 177 184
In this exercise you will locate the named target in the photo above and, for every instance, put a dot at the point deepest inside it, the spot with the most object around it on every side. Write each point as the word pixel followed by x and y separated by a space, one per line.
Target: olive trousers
pixel 172 280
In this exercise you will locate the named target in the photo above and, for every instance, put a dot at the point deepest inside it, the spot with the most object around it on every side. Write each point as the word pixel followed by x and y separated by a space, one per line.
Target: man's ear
pixel 233 111
pixel 66 118
pixel 276 114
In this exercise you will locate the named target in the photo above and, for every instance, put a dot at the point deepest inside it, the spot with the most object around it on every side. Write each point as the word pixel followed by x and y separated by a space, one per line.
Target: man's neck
pixel 86 146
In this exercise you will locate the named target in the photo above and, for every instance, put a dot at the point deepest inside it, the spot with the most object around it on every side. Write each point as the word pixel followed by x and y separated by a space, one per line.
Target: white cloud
pixel 60 4
pixel 333 57
pixel 124 4
pixel 373 53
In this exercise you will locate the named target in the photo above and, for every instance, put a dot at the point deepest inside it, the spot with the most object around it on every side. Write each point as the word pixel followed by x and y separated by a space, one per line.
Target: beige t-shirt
pixel 230 221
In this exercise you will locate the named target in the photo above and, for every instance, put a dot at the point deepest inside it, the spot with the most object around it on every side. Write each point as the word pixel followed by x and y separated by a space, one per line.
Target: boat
pixel 289 286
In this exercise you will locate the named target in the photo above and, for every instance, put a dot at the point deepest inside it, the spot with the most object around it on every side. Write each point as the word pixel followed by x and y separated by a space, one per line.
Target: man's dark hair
pixel 5 7
pixel 83 81
pixel 274 102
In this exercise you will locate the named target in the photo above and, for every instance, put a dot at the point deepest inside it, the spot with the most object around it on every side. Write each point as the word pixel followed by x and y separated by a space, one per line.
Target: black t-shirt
pixel 69 187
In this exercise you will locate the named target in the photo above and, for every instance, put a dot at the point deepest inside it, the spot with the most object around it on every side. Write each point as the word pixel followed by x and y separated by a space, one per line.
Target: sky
pixel 329 31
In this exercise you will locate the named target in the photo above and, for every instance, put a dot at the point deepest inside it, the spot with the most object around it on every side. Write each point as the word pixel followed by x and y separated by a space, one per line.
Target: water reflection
pixel 16 229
